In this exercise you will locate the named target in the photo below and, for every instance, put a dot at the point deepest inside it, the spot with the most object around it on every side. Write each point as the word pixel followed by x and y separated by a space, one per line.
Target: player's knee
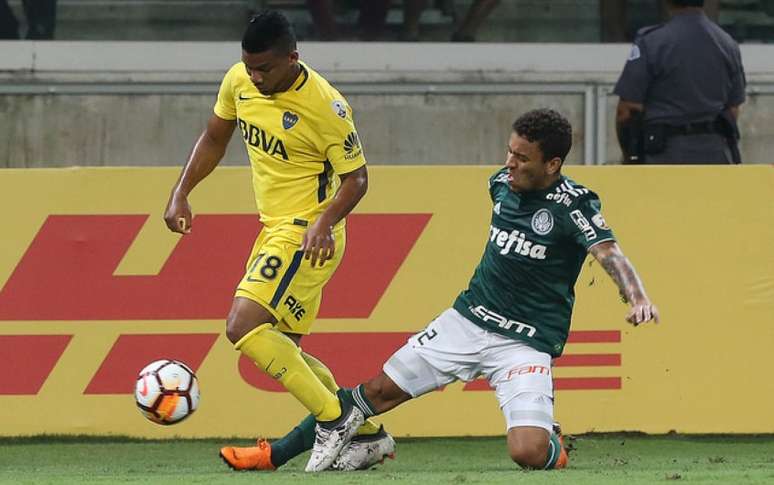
pixel 243 317
pixel 237 327
pixel 234 331
pixel 528 454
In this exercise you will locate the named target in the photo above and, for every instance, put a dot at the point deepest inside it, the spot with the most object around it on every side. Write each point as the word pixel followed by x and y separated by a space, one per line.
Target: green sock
pixel 300 439
pixel 554 451
pixel 345 394
pixel 357 398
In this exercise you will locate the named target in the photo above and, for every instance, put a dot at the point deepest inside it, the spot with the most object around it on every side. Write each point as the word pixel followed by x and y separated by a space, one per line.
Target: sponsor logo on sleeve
pixel 599 221
pixel 339 108
pixel 542 222
pixel 583 224
pixel 497 208
pixel 352 148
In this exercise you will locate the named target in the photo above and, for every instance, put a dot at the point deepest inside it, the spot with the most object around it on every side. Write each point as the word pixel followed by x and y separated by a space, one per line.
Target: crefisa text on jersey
pixel 505 240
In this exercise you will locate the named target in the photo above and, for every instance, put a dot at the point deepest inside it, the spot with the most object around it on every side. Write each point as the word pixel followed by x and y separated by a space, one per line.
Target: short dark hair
pixel 269 30
pixel 687 3
pixel 551 131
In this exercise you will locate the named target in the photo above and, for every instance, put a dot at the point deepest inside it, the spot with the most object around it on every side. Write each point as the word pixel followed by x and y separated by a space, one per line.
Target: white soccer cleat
pixel 365 451
pixel 329 442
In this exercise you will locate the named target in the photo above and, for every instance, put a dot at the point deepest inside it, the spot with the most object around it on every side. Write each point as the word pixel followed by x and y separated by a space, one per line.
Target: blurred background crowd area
pixel 750 21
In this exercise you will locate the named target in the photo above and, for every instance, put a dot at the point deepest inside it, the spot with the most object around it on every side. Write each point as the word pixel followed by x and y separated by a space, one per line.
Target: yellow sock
pixel 321 371
pixel 278 356
pixel 368 428
pixel 326 377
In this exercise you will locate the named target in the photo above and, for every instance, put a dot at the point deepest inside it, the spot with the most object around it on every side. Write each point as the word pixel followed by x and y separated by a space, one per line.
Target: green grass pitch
pixel 599 459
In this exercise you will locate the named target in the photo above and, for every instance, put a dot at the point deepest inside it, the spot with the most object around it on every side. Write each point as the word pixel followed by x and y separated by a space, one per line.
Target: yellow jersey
pixel 297 140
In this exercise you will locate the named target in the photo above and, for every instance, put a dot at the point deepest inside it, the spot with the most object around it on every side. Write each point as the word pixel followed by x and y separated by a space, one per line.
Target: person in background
pixel 614 24
pixel 680 92
pixel 40 15
pixel 371 21
pixel 474 18
pixel 9 26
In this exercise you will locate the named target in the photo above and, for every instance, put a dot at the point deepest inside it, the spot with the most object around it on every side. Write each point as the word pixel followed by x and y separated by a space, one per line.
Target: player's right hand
pixel 178 214
pixel 642 312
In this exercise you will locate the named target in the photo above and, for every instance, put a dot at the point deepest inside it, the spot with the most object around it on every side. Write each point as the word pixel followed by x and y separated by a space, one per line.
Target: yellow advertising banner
pixel 94 287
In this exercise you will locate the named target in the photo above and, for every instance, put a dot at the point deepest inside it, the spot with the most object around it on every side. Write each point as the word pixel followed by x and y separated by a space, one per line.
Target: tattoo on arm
pixel 620 269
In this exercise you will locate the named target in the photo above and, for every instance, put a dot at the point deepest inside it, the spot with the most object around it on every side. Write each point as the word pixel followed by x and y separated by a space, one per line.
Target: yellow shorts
pixel 279 278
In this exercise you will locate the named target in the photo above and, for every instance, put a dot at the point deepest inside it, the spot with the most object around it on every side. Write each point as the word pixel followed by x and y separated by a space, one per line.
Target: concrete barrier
pixel 135 103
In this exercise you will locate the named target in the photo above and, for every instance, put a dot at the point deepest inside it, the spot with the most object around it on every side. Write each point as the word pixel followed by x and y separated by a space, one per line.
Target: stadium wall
pixel 94 287
pixel 144 103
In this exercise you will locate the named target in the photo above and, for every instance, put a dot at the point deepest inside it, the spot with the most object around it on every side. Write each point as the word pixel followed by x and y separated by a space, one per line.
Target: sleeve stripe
pixel 600 241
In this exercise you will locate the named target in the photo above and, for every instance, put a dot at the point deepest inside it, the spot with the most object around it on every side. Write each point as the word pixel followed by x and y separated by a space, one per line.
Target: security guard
pixel 680 92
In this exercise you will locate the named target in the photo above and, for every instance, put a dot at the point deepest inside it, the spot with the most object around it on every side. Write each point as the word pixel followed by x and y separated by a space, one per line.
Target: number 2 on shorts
pixel 428 334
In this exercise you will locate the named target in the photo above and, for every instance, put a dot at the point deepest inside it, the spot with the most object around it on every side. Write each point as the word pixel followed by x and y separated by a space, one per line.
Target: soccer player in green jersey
pixel 514 317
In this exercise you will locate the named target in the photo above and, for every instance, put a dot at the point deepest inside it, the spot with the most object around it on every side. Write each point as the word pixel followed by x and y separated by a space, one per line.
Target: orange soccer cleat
pixel 248 458
pixel 564 457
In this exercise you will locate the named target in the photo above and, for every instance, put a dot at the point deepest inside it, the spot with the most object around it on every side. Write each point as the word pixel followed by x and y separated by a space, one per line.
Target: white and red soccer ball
pixel 167 391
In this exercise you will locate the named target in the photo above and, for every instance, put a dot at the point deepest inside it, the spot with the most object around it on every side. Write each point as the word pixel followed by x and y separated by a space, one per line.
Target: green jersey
pixel 523 287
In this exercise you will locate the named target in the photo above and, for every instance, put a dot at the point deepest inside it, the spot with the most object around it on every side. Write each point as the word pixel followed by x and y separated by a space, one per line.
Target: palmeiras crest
pixel 542 222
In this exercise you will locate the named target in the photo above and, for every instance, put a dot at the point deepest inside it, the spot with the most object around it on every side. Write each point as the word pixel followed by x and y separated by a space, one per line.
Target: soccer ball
pixel 167 391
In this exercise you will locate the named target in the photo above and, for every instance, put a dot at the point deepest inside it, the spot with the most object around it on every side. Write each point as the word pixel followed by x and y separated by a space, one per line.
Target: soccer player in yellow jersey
pixel 308 172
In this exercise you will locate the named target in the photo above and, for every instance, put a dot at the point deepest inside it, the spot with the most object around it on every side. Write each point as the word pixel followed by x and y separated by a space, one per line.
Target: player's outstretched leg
pixel 277 355
pixel 332 436
pixel 270 456
pixel 377 396
pixel 325 375
pixel 371 445
pixel 365 451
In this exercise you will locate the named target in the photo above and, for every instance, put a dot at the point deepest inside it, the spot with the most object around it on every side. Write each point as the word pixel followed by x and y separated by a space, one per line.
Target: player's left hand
pixel 642 312
pixel 318 243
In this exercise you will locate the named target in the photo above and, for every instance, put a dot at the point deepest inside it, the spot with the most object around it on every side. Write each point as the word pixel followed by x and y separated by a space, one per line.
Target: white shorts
pixel 453 348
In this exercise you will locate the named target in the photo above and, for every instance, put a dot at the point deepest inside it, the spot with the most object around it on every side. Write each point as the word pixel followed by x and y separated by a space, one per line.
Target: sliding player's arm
pixel 619 268
pixel 318 243
pixel 205 156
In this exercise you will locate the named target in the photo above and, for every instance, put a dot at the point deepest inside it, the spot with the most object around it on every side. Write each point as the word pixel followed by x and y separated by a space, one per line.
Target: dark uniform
pixel 686 72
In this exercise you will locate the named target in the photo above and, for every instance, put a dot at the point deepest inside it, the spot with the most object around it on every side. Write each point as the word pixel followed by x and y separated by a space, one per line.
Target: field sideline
pixel 599 459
